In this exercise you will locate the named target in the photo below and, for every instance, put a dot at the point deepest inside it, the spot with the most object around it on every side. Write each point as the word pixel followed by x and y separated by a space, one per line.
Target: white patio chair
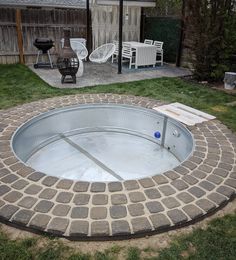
pixel 150 42
pixel 128 53
pixel 116 53
pixel 159 52
pixel 102 53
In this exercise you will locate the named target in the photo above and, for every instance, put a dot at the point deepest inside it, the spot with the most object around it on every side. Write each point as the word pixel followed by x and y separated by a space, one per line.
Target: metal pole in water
pixel 164 131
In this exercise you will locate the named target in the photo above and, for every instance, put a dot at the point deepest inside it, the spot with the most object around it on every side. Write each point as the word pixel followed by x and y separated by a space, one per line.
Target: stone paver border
pixel 83 210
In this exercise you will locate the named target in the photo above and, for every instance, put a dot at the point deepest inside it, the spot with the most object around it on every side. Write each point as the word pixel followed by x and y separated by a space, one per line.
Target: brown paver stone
pixel 20 184
pixel 231 183
pixel 49 181
pixel 160 179
pixel 47 193
pixel 215 179
pixel 64 184
pixel 81 199
pixel 152 193
pixel 217 198
pixel 226 191
pixel 206 205
pixel 13 196
pixel 10 178
pixel 33 189
pixel 207 185
pixel 131 185
pixel 190 179
pixel 179 185
pixel 100 228
pixel 136 209
pixel 185 197
pixel 79 228
pixel 146 182
pixel 167 190
pixel 36 176
pixel 192 211
pixel 170 202
pixel 197 192
pixel 4 189
pixel 58 225
pixel 140 225
pixel 172 175
pixel 120 227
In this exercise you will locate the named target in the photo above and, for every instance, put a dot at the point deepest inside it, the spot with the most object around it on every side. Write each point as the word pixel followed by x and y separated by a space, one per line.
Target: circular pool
pixel 102 142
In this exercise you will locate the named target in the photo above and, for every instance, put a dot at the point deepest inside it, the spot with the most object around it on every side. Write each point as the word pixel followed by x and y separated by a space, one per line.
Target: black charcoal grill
pixel 43 45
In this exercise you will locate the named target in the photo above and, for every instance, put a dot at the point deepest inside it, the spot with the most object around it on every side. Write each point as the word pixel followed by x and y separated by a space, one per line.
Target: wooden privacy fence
pixel 36 23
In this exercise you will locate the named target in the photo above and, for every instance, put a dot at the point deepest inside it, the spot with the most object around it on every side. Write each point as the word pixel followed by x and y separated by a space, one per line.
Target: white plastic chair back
pixel 102 53
pixel 146 41
pixel 158 44
pixel 126 50
pixel 117 47
pixel 79 48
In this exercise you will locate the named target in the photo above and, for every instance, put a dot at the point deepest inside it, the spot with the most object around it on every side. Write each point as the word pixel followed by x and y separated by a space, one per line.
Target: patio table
pixel 145 54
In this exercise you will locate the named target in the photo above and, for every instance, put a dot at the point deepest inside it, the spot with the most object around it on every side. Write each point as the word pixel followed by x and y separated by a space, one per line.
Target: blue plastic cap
pixel 157 134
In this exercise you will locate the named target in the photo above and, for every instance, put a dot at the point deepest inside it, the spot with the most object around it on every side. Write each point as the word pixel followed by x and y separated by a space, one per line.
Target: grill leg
pixel 50 60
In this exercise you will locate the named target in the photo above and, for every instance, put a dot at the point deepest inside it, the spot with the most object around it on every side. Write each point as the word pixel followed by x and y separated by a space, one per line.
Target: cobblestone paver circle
pixel 80 210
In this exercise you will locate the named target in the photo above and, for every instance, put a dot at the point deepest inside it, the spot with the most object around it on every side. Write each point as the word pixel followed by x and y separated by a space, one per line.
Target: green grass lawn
pixel 19 85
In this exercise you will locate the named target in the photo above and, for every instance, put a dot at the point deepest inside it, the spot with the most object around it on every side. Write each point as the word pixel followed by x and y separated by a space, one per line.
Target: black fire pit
pixel 43 45
pixel 68 62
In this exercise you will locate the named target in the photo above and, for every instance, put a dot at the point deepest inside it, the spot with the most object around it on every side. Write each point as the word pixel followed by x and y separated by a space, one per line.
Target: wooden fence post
pixel 19 36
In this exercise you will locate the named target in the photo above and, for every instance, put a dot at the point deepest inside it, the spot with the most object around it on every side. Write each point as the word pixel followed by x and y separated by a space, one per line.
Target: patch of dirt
pixel 154 242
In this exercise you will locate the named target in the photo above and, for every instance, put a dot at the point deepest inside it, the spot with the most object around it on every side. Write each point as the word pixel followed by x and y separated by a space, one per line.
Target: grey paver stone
pixel 36 176
pixel 233 175
pixel 231 183
pixel 58 225
pixel 100 228
pixel 64 184
pixel 33 189
pixel 190 179
pixel 64 197
pixel 131 185
pixel 27 202
pixel 7 211
pixel 215 179
pixel 154 206
pixel 172 175
pixel 44 206
pixel 207 185
pixel 160 179
pixel 170 202
pixel 198 174
pixel 181 170
pixel 13 196
pixel 100 199
pixel 118 212
pixel 136 209
pixel 114 186
pixel 192 211
pixel 226 191
pixel 152 193
pixel 225 166
pixel 217 198
pixel 4 189
pixel 81 199
pixel 49 181
pixel 10 178
pixel 98 187
pixel 79 228
pixel 185 197
pixel 211 162
pixel 118 199
pixel 190 165
pixel 197 192
pixel 196 160
pixel 25 171
pixel 177 216
pixel 179 185
pixel 120 227
pixel 146 182
pixel 61 210
pixel 206 205
pixel 81 186
pixel 140 225
pixel 2 203
pixel 98 213
pixel 79 212
pixel 20 184
pixel 23 216
pixel 136 196
pixel 167 190
pixel 159 221
pixel 40 221
pixel 221 172
pixel 47 193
